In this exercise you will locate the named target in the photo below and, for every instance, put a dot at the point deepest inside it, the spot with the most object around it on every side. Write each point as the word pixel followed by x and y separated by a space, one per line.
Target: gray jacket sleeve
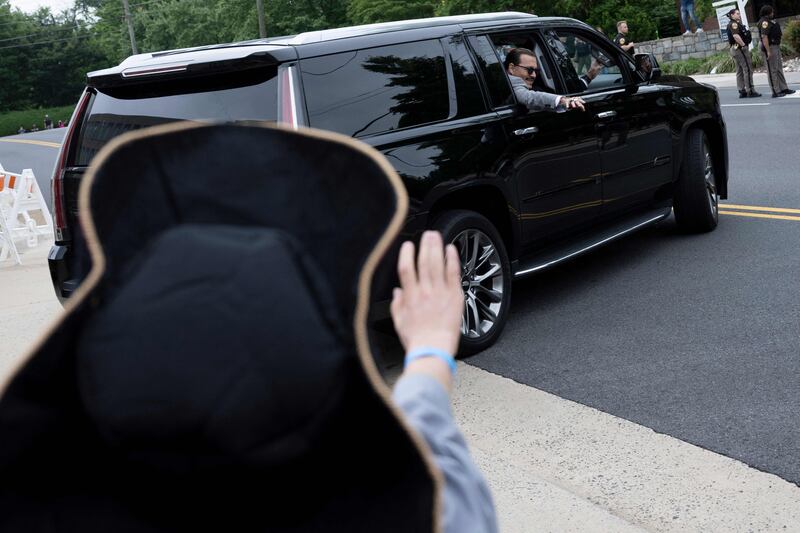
pixel 468 506
pixel 535 100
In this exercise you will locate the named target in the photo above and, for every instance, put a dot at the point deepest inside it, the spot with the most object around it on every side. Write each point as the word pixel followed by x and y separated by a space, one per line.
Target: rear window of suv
pixel 377 90
pixel 244 96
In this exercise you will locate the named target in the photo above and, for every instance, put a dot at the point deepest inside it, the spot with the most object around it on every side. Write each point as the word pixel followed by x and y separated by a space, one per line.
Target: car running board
pixel 550 257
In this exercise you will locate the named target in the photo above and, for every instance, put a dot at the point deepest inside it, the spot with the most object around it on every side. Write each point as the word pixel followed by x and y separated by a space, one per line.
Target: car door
pixel 551 157
pixel 420 103
pixel 632 123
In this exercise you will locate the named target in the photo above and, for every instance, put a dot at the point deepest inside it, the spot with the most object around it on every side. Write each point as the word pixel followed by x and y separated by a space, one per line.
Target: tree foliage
pixel 647 19
pixel 171 24
pixel 289 17
pixel 369 11
pixel 793 35
pixel 466 7
pixel 44 57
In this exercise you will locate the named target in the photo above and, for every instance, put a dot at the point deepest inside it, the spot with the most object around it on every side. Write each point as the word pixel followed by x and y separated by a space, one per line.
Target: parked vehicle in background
pixel 516 191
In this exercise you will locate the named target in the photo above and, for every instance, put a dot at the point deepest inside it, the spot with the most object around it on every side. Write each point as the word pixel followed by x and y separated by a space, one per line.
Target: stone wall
pixel 682 47
pixel 694 45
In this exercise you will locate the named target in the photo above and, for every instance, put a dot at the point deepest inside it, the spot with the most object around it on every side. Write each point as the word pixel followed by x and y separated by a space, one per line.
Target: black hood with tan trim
pixel 213 371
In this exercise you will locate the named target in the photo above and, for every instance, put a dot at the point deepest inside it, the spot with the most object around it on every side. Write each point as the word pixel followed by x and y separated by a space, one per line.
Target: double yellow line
pixel 31 141
pixel 759 212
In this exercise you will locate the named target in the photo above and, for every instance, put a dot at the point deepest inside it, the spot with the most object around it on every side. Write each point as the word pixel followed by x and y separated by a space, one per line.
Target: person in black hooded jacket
pixel 214 370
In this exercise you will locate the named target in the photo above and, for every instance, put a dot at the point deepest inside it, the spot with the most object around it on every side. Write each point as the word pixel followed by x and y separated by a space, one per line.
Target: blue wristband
pixel 426 351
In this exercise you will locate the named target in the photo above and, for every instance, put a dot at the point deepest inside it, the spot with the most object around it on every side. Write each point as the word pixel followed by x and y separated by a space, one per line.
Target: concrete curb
pixel 556 465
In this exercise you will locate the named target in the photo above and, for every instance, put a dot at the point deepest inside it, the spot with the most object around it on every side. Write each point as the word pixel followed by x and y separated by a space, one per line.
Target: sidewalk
pixel 555 465
pixel 552 464
pixel 729 80
pixel 28 303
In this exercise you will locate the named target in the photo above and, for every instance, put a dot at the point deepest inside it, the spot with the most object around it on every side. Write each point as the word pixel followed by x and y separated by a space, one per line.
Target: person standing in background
pixel 621 39
pixel 583 56
pixel 770 35
pixel 741 55
pixel 687 11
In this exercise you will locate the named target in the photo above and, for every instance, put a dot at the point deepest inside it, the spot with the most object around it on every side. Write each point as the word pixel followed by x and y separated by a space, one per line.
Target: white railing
pixel 20 199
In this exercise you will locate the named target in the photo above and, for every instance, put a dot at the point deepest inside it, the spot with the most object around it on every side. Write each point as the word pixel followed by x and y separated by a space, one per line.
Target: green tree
pixel 58 66
pixel 370 11
pixel 170 24
pixel 466 7
pixel 112 34
pixel 15 89
pixel 289 17
pixel 44 57
pixel 646 18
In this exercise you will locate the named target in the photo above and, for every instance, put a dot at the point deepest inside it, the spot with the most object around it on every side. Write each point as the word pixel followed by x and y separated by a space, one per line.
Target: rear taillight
pixel 57 182
pixel 286 97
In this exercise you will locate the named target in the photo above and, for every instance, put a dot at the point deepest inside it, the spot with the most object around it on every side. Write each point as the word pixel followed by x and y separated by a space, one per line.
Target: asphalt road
pixel 37 151
pixel 697 337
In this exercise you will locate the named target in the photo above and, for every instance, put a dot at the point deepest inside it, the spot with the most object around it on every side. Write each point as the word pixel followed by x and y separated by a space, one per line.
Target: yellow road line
pixel 758 215
pixel 26 141
pixel 757 208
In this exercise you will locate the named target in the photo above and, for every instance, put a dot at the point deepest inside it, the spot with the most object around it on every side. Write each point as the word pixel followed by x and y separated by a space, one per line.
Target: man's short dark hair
pixel 515 54
pixel 730 13
pixel 766 11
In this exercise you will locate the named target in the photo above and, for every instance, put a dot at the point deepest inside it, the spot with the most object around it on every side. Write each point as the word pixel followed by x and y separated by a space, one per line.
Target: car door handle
pixel 607 114
pixel 526 131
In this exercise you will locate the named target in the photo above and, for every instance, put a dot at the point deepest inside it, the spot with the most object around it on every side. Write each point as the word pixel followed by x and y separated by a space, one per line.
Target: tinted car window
pixel 493 73
pixel 468 91
pixel 376 90
pixel 241 97
pixel 583 63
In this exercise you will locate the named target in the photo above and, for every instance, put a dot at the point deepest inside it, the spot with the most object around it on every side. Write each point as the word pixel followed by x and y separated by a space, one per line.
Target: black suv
pixel 517 191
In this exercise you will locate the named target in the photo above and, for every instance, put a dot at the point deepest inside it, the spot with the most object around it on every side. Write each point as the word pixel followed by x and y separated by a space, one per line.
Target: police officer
pixel 769 33
pixel 739 38
pixel 622 37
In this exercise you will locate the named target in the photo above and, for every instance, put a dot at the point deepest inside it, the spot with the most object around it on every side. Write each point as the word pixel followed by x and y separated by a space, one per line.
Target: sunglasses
pixel 530 70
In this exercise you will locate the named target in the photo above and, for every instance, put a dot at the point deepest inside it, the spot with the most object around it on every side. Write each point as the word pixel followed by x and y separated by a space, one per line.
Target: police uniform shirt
pixel 771 29
pixel 734 28
pixel 621 40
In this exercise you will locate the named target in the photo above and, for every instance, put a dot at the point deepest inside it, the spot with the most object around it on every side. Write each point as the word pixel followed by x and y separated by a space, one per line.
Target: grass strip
pixel 11 121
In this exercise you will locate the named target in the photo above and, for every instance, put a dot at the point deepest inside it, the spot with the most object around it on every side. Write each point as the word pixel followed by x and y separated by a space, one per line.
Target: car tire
pixel 486 276
pixel 696 200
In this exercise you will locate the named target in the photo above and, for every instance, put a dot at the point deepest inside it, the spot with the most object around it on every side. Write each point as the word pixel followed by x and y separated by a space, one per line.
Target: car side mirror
pixel 647 67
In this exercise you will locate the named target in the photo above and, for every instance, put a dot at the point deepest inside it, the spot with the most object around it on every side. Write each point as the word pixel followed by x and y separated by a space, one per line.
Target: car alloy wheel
pixel 710 181
pixel 696 200
pixel 482 281
pixel 485 276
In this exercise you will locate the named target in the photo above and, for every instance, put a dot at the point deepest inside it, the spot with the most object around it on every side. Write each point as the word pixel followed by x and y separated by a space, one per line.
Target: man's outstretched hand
pixel 574 102
pixel 428 306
